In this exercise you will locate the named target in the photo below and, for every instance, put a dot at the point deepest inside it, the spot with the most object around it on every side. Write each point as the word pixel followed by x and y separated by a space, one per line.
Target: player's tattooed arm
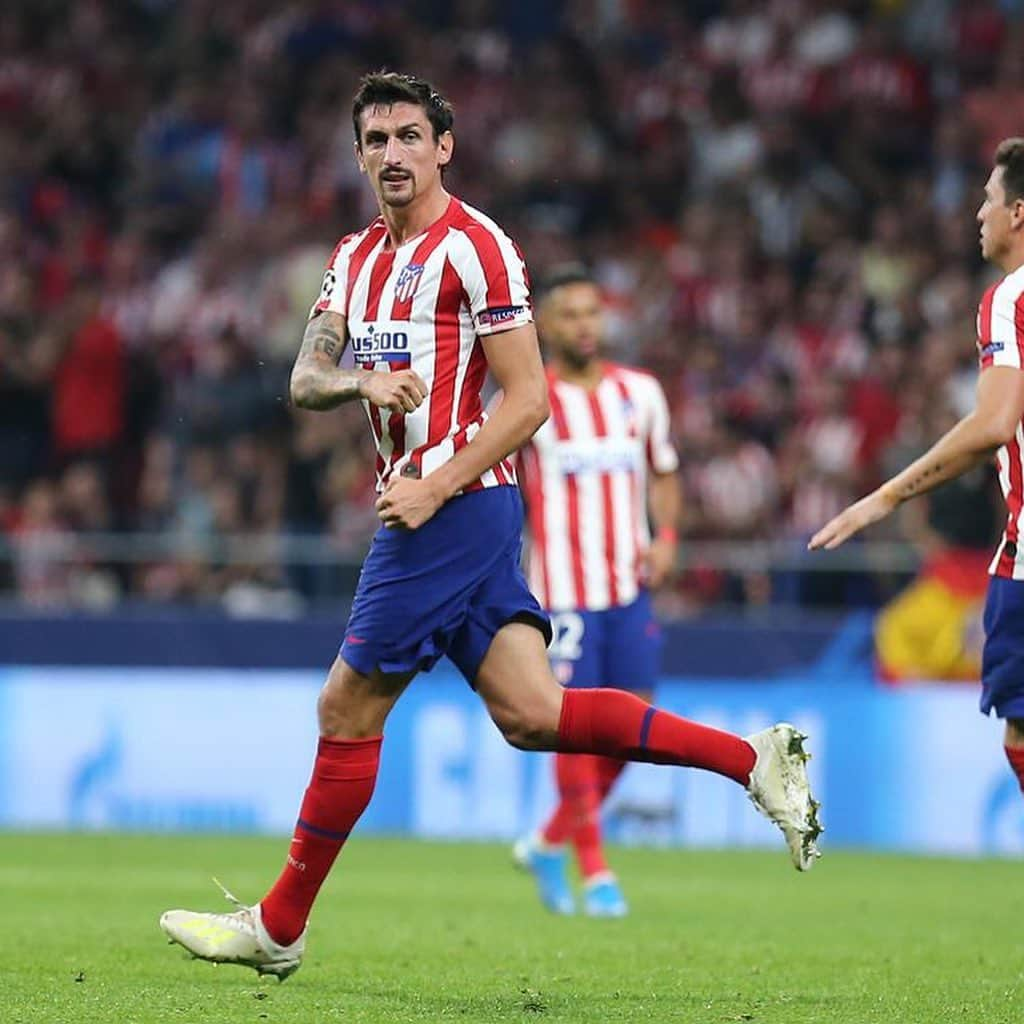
pixel 920 482
pixel 971 442
pixel 317 381
pixel 935 467
pixel 325 335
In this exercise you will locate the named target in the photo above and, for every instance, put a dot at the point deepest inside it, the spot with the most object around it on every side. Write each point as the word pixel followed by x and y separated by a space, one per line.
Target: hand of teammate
pixel 661 562
pixel 875 506
pixel 407 504
pixel 402 391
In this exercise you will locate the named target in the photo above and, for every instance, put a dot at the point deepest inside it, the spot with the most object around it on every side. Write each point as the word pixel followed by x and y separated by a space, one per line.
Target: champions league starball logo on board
pixel 408 279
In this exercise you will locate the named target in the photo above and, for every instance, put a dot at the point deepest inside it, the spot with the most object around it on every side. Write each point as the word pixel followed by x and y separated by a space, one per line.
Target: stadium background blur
pixel 778 200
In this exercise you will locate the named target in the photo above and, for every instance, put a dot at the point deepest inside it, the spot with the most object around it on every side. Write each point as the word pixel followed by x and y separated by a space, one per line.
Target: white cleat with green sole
pixel 236 938
pixel 779 789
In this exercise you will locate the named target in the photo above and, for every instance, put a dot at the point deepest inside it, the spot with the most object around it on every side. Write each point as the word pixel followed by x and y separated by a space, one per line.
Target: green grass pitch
pixel 412 931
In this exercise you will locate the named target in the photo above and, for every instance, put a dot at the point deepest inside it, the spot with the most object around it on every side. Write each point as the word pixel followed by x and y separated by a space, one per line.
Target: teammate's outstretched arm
pixel 974 440
pixel 318 382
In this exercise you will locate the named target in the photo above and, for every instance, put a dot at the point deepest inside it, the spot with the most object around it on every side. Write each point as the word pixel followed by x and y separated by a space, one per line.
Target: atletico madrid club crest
pixel 405 286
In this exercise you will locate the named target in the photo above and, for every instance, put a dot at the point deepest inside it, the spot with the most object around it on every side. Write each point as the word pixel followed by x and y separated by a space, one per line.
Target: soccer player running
pixel 994 428
pixel 592 561
pixel 430 296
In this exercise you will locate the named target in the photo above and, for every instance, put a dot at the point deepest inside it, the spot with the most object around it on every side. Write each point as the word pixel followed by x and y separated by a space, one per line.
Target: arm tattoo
pixel 328 342
pixel 322 335
pixel 317 382
pixel 921 481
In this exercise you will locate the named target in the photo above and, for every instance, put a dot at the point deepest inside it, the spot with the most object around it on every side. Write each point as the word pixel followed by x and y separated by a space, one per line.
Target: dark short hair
pixel 1010 156
pixel 388 87
pixel 565 273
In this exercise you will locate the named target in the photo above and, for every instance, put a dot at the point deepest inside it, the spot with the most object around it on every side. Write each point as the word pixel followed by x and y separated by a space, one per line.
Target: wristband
pixel 668 533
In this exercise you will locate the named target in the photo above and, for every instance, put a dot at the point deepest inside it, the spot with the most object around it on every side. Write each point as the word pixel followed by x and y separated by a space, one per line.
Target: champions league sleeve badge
pixel 326 291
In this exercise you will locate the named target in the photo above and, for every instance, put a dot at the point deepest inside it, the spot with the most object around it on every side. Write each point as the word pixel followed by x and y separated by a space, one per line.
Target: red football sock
pixel 343 777
pixel 578 815
pixel 590 855
pixel 559 826
pixel 1015 755
pixel 621 725
pixel 577 785
pixel 608 771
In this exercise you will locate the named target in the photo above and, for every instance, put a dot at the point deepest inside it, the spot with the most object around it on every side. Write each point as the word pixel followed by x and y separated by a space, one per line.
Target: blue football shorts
pixel 443 589
pixel 618 647
pixel 1002 665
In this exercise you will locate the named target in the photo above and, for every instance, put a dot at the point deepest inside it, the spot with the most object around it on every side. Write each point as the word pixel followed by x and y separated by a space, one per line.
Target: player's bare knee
pixel 340 712
pixel 336 715
pixel 354 706
pixel 527 729
pixel 524 736
pixel 342 718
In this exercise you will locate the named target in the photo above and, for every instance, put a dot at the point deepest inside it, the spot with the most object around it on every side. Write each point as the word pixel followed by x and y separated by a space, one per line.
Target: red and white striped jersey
pixel 425 306
pixel 1001 343
pixel 584 478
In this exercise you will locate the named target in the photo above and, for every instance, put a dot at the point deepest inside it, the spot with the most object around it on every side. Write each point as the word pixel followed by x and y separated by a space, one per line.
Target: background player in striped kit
pixel 430 295
pixel 994 428
pixel 589 476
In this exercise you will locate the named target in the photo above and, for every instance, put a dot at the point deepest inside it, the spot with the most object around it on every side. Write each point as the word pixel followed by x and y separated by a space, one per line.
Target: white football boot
pixel 780 791
pixel 236 938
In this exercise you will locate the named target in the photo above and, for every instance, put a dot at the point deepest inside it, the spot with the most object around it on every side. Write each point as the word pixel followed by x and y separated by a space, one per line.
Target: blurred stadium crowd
pixel 778 198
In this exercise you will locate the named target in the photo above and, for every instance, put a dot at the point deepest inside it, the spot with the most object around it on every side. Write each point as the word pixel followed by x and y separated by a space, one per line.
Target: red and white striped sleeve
pixel 662 456
pixel 332 288
pixel 493 274
pixel 1001 324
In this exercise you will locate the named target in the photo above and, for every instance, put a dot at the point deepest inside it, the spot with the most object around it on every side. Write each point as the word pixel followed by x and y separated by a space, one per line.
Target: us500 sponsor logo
pixel 375 342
